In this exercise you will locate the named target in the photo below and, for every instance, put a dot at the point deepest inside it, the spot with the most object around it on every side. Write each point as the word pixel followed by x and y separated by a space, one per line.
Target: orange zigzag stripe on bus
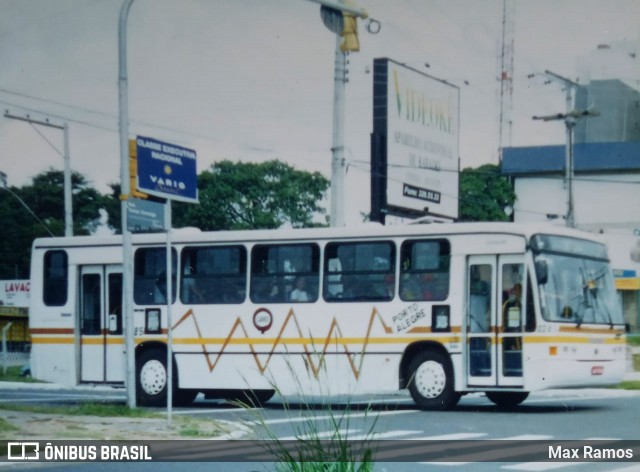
pixel 309 353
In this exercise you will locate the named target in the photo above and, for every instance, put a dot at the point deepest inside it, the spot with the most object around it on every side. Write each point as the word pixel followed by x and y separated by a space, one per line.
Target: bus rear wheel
pixel 431 381
pixel 507 399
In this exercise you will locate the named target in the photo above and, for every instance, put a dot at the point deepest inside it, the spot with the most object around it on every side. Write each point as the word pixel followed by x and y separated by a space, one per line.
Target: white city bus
pixel 440 309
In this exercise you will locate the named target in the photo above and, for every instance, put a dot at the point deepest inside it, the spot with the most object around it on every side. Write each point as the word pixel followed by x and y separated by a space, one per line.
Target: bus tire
pixel 431 381
pixel 507 400
pixel 151 378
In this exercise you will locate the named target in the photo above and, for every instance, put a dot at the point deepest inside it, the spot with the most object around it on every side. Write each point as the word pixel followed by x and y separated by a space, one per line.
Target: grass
pixel 629 385
pixel 85 409
pixel 633 340
pixel 14 374
pixel 313 450
pixel 6 427
pixel 184 427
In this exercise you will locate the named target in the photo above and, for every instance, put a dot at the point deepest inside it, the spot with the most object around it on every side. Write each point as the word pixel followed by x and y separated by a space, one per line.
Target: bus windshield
pixel 576 284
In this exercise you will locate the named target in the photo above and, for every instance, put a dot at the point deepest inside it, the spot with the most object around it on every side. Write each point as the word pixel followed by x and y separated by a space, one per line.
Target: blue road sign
pixel 166 170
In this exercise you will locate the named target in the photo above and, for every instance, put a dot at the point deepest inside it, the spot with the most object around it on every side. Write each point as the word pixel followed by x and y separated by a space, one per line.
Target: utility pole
pixel 569 117
pixel 68 209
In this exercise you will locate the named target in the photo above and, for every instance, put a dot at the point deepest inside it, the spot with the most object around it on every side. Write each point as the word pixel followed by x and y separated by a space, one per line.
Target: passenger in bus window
pixel 197 294
pixel 299 293
pixel 512 308
pixel 160 289
pixel 266 290
pixel 389 286
pixel 191 290
pixel 480 299
pixel 334 282
pixel 409 287
pixel 429 287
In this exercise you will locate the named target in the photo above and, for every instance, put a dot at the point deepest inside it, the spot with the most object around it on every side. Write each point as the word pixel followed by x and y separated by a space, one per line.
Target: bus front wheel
pixel 151 381
pixel 507 399
pixel 431 381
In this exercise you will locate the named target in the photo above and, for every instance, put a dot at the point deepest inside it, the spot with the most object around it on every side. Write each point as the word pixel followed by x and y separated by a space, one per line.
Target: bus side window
pixel 424 270
pixel 150 276
pixel 55 274
pixel 359 271
pixel 283 273
pixel 213 274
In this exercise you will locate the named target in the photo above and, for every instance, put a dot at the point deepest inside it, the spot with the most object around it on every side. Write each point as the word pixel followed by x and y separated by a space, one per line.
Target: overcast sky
pixel 252 80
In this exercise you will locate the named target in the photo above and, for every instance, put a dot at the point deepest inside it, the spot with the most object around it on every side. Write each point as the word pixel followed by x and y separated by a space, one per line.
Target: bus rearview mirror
pixel 542 272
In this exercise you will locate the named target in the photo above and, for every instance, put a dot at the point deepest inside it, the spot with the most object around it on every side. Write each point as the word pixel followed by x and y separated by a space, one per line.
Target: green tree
pixel 253 196
pixel 113 207
pixel 484 194
pixel 45 197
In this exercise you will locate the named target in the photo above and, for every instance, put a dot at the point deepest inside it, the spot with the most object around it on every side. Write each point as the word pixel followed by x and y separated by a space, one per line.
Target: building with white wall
pixel 605 192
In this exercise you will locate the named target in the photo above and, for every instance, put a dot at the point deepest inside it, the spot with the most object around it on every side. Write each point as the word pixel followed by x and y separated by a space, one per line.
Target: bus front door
pixel 494 321
pixel 101 347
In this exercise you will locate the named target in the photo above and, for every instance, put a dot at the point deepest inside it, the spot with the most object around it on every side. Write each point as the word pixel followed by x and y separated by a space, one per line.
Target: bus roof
pixel 193 235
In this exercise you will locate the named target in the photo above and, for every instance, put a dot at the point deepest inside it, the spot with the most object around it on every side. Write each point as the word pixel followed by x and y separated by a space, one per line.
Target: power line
pixel 113 128
pixel 489 173
pixel 358 165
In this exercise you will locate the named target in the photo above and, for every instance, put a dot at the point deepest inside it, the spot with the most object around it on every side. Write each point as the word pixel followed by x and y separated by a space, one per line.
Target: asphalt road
pixel 479 436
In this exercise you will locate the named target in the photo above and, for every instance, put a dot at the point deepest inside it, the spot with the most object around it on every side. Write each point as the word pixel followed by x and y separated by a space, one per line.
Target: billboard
pixel 415 143
pixel 166 170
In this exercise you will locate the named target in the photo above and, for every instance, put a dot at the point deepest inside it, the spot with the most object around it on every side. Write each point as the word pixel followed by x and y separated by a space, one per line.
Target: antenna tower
pixel 505 75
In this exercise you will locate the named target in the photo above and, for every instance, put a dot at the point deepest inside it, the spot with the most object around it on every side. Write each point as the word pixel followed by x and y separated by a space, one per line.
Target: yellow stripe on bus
pixel 52 340
pixel 293 341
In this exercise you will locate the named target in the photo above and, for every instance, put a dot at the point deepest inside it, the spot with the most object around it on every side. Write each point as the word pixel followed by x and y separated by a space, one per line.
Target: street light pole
pixel 341 19
pixel 125 191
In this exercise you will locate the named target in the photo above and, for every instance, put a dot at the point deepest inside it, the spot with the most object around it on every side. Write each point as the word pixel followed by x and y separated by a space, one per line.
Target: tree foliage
pixel 237 195
pixel 254 196
pixel 485 194
pixel 45 197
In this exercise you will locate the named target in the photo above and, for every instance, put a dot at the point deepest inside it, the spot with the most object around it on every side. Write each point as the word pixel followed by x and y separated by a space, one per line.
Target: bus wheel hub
pixel 430 379
pixel 153 377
